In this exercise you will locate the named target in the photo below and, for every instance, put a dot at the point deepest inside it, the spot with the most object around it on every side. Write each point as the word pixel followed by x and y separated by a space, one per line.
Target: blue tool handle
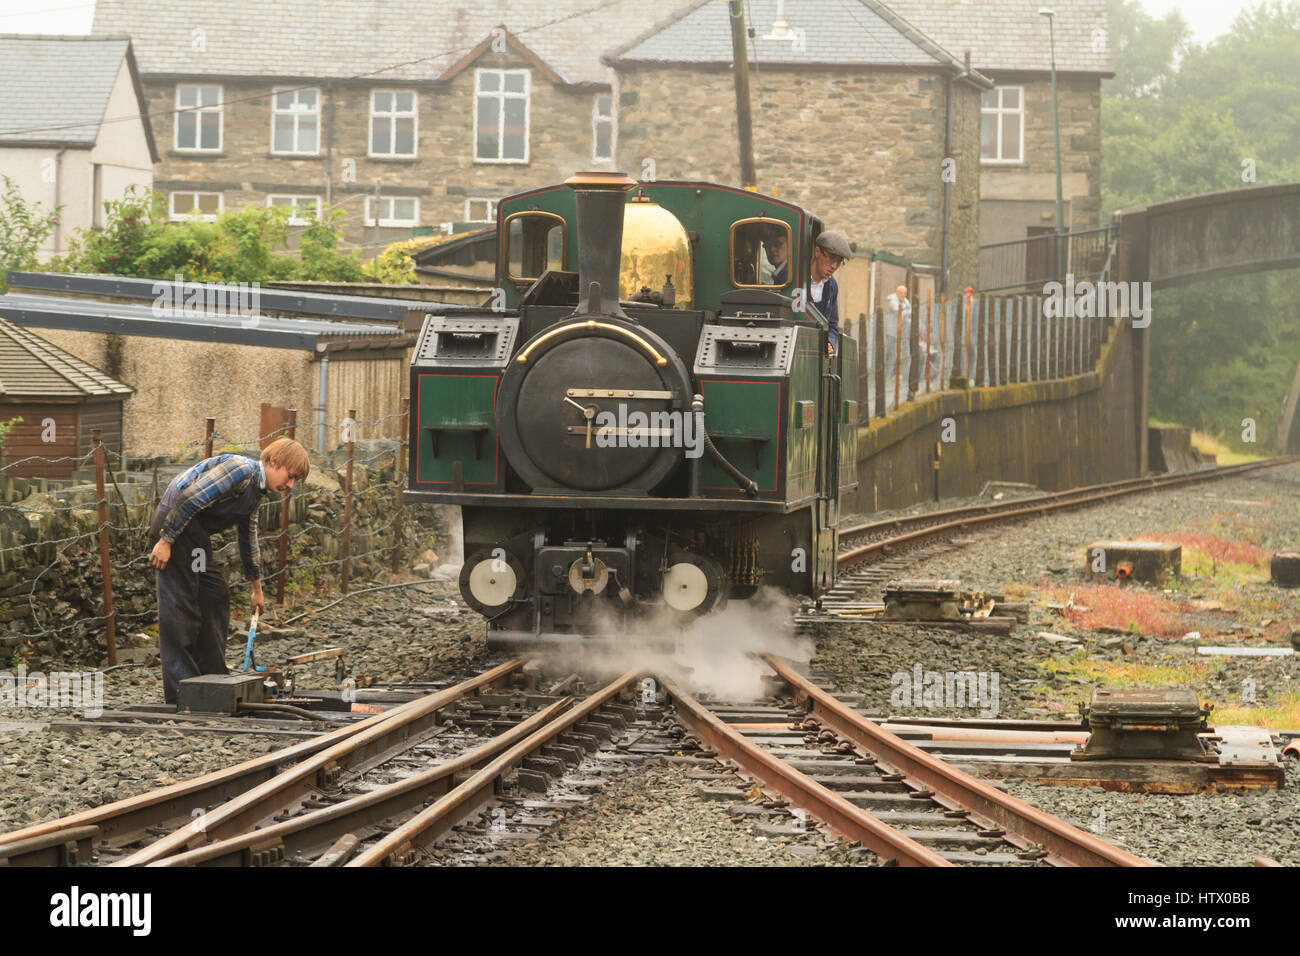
pixel 248 651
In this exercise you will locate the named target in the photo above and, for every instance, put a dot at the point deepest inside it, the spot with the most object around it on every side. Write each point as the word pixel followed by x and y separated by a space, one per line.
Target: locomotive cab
pixel 644 423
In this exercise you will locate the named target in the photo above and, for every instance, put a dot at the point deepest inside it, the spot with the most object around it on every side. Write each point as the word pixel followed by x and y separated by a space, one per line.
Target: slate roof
pixel 31 366
pixel 418 39
pixel 55 89
pixel 1001 34
pixel 1010 35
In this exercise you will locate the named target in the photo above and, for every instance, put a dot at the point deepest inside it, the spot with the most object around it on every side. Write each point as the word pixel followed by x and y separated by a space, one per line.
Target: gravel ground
pixel 653 817
pixel 394 635
pixel 1037 561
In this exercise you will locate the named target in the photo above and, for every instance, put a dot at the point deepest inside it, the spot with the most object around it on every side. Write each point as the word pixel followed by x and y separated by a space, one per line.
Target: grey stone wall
pixel 1035 178
pixel 442 174
pixel 862 149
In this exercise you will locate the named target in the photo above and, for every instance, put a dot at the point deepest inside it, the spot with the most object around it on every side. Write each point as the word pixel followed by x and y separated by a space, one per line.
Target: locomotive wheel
pixel 491 579
pixel 693 584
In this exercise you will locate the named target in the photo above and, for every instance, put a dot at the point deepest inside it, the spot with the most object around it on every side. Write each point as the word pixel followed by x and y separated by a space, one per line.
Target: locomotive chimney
pixel 600 198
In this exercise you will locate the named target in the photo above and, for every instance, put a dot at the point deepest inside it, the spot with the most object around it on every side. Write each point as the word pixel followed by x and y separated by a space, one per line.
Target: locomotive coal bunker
pixel 646 422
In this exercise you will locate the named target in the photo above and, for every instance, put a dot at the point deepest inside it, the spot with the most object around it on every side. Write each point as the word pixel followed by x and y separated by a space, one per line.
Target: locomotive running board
pixel 523 640
pixel 598 501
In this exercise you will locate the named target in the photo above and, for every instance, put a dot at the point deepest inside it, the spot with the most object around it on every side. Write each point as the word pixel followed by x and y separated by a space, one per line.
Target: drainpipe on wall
pixel 58 188
pixel 321 399
pixel 947 186
pixel 329 145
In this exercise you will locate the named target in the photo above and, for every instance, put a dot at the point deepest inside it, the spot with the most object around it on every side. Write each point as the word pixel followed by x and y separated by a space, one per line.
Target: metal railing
pixel 976 340
pixel 1026 264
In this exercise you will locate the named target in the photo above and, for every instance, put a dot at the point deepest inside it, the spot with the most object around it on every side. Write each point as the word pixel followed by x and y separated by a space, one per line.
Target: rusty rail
pixel 1024 826
pixel 844 818
pixel 322 827
pixel 478 789
pixel 293 785
pixel 935 523
pixel 126 819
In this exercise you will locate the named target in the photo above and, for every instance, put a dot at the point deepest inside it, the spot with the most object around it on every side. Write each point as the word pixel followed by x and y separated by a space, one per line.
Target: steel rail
pixel 294 784
pixel 844 818
pixel 935 523
pixel 990 808
pixel 322 827
pixel 128 818
pixel 478 789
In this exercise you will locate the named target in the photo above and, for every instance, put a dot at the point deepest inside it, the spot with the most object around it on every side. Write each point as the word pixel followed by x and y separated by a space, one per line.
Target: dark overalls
pixel 194 606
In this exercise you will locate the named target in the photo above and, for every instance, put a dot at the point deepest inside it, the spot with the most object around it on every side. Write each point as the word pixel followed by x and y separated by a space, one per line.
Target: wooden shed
pixel 60 399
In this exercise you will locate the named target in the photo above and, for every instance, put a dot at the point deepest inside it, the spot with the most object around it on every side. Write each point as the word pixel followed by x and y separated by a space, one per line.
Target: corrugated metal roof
pixel 88 315
pixel 55 89
pixel 1010 35
pixel 418 39
pixel 863 32
pixel 31 366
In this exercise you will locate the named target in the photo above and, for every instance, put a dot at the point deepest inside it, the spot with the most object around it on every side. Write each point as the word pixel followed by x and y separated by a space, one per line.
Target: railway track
pixel 376 793
pixel 823 759
pixel 860 544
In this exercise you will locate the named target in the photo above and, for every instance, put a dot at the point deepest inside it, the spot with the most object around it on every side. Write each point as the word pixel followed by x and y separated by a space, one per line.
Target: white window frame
pixel 390 222
pixel 198 112
pixel 999 112
pixel 296 200
pixel 596 120
pixel 296 114
pixel 501 95
pixel 491 205
pixel 174 216
pixel 393 115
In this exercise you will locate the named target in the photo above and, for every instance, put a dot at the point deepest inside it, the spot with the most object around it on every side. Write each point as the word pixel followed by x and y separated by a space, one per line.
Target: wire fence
pixel 911 349
pixel 75 542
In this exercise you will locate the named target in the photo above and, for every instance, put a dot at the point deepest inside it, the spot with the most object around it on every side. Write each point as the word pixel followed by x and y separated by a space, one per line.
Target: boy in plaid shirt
pixel 193 600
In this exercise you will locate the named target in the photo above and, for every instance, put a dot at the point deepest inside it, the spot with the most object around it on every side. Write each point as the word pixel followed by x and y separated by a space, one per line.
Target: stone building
pixel 1009 42
pixel 74 133
pixel 850 114
pixel 405 115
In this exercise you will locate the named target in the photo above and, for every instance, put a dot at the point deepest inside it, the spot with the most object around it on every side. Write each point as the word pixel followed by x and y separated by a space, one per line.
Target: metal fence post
pixel 346 569
pixel 401 472
pixel 929 337
pixel 943 336
pixel 101 503
pixel 878 367
pixel 913 350
pixel 207 437
pixel 283 572
pixel 898 349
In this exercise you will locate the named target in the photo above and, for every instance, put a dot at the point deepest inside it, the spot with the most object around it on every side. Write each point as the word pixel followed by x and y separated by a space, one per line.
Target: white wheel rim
pixel 492 588
pixel 685 587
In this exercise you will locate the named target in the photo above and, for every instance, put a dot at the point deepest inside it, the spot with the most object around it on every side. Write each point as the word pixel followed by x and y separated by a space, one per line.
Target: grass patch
pixel 1280 714
pixel 1221 559
pixel 1108 605
pixel 1134 674
pixel 1223 455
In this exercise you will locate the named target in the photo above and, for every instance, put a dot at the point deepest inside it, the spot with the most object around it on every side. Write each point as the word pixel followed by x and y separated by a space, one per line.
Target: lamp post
pixel 1056 125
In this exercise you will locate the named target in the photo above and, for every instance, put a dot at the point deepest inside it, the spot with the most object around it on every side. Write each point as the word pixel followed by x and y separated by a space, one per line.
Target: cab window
pixel 534 243
pixel 760 253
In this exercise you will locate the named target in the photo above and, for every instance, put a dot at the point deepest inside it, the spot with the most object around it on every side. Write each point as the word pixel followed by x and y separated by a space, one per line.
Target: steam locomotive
pixel 645 421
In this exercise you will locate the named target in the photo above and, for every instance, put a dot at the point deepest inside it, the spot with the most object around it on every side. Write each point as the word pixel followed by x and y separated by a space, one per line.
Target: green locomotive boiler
pixel 646 420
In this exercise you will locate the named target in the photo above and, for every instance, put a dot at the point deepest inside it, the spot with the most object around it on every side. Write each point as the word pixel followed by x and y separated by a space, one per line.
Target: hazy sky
pixel 1208 18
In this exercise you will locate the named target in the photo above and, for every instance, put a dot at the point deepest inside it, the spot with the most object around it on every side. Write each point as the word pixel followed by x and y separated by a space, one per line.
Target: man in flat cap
pixel 829 252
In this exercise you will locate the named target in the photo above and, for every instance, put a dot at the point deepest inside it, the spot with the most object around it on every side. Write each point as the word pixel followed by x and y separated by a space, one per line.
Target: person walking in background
pixel 895 346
